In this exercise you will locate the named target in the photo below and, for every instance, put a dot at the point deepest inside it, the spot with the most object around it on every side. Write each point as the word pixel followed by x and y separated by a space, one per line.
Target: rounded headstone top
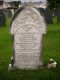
pixel 28 16
pixel 27 5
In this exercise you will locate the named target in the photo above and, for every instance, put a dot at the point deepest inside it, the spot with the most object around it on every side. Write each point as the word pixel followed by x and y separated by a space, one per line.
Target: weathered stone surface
pixel 28 28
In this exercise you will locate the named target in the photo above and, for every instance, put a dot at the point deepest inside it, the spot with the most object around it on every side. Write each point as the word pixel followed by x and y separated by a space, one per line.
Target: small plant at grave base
pixel 51 64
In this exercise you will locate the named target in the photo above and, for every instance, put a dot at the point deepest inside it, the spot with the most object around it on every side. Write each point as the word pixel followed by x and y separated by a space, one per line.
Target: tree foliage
pixel 54 3
pixel 16 3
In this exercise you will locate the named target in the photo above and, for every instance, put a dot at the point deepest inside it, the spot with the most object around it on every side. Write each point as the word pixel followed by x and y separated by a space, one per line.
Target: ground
pixel 51 49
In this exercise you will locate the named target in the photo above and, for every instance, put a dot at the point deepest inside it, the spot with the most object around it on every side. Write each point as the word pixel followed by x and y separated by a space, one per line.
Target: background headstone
pixel 27 27
pixel 2 18
pixel 48 15
pixel 8 13
pixel 58 14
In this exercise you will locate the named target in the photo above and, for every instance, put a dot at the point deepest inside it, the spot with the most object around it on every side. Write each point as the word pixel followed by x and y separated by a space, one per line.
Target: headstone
pixel 27 28
pixel 8 13
pixel 54 12
pixel 1 2
pixel 12 10
pixel 58 14
pixel 2 18
pixel 48 15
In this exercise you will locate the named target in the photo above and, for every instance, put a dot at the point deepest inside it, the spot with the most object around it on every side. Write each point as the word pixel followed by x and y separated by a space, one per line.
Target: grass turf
pixel 51 49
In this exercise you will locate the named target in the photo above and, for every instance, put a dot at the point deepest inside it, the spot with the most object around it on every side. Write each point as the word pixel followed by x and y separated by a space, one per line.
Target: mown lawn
pixel 51 49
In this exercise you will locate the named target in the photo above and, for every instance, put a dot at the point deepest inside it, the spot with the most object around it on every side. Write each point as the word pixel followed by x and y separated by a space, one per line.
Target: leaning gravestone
pixel 27 28
pixel 48 15
pixel 2 18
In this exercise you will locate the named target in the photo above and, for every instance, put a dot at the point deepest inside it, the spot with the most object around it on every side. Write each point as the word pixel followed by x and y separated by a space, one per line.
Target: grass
pixel 51 49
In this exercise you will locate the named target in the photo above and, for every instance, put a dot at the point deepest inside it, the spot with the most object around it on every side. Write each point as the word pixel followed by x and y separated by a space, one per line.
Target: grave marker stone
pixel 27 27
pixel 2 18
pixel 58 14
pixel 48 15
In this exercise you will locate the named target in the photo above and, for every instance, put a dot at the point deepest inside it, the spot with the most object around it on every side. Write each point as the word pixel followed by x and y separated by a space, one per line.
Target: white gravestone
pixel 28 28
